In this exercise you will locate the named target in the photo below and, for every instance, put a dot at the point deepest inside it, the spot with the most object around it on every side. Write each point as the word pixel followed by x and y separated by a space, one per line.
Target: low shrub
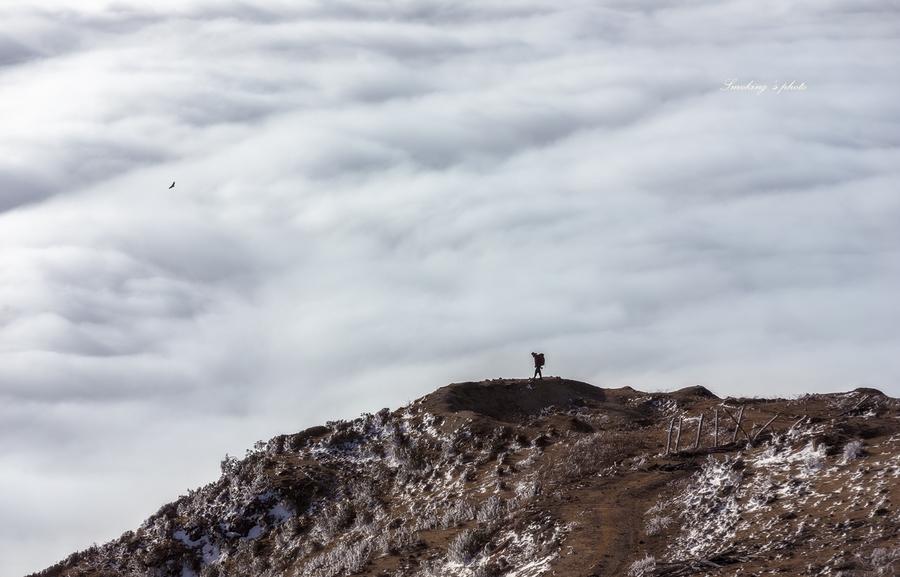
pixel 657 524
pixel 467 545
pixel 853 450
pixel 642 567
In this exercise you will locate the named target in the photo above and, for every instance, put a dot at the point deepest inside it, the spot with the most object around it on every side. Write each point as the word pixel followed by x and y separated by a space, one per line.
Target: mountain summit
pixel 521 478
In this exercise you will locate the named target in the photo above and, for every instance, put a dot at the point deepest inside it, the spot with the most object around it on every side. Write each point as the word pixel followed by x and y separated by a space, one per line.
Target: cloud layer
pixel 376 198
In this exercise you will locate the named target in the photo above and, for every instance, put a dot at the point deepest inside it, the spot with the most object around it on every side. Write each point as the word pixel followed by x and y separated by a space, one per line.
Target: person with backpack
pixel 538 365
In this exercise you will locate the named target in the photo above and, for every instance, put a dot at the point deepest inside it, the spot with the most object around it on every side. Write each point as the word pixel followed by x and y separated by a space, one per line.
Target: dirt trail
pixel 610 515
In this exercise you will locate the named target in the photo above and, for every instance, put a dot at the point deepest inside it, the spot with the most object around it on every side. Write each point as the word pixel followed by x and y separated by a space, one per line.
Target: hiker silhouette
pixel 538 365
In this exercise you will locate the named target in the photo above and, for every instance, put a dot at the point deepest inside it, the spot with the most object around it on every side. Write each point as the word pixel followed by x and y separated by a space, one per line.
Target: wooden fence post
pixel 669 436
pixel 764 428
pixel 737 423
pixel 699 428
pixel 716 427
pixel 738 427
pixel 794 426
pixel 678 436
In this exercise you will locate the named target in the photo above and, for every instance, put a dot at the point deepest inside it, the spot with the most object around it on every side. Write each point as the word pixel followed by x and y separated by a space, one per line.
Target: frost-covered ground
pixel 334 499
pixel 793 497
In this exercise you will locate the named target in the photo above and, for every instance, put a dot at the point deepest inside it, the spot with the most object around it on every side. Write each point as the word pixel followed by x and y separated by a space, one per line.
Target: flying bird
pixel 173 185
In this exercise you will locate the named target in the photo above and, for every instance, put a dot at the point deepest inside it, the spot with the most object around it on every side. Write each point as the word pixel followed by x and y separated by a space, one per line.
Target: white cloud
pixel 373 199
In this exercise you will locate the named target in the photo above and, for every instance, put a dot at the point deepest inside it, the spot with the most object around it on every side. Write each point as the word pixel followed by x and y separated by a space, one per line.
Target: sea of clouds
pixel 375 198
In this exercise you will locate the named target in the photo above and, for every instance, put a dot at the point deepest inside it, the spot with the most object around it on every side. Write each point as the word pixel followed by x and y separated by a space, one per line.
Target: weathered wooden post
pixel 764 428
pixel 795 425
pixel 738 424
pixel 699 428
pixel 678 435
pixel 669 436
pixel 716 427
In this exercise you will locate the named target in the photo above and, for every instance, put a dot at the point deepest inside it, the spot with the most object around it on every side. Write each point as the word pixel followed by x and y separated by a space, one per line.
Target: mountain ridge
pixel 520 478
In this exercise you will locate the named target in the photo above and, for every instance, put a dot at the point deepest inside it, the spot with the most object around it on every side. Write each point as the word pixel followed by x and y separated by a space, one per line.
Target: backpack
pixel 540 359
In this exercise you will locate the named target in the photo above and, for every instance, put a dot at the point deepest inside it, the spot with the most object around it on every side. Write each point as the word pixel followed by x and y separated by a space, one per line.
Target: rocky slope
pixel 519 479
